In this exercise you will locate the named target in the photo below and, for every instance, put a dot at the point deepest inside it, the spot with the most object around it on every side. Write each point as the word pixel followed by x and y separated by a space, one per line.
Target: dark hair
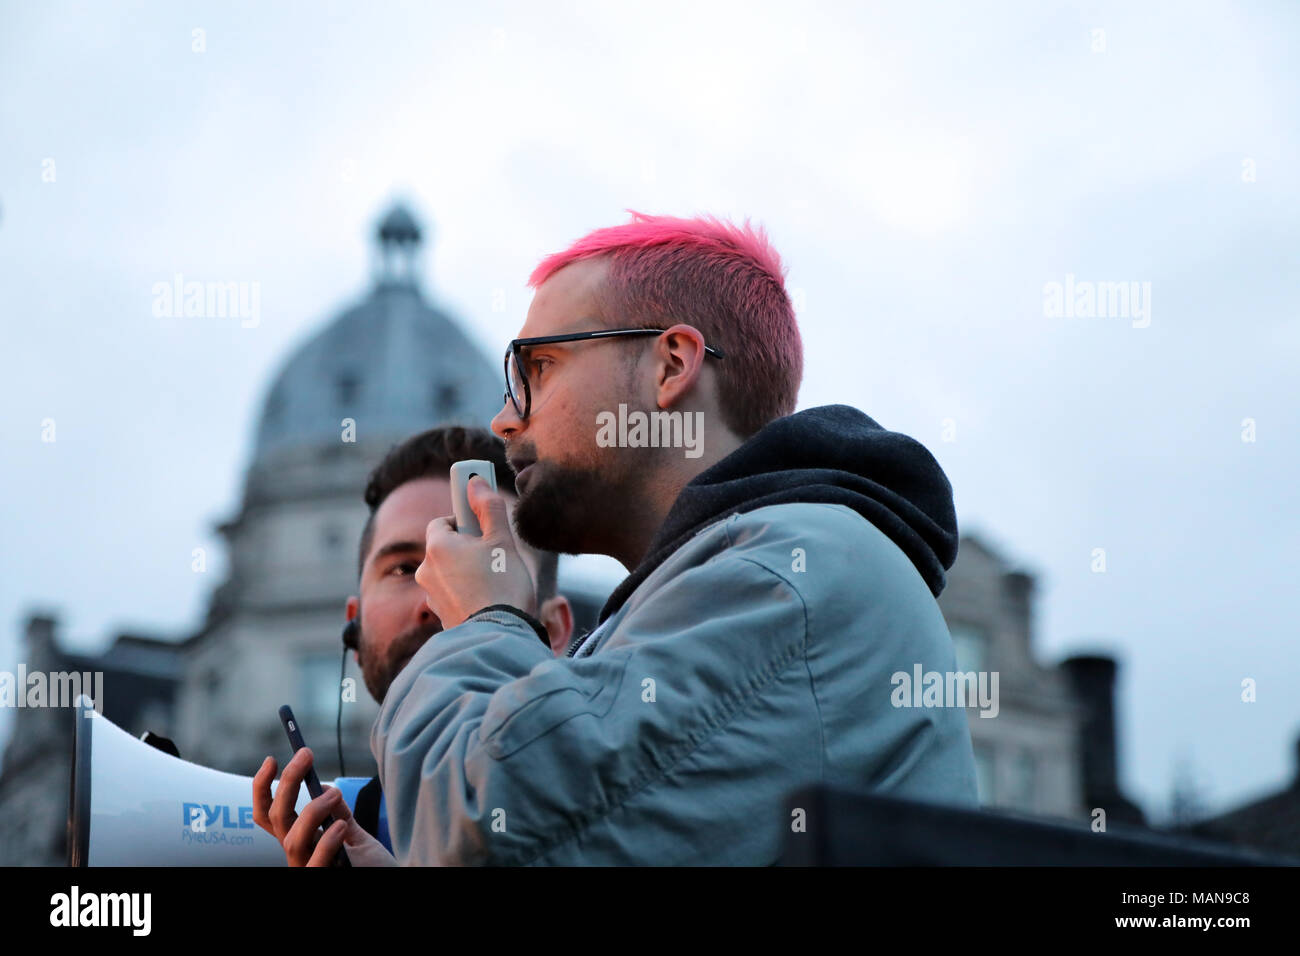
pixel 431 454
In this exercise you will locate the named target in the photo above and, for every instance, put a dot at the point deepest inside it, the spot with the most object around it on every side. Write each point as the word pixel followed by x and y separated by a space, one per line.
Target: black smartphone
pixel 313 782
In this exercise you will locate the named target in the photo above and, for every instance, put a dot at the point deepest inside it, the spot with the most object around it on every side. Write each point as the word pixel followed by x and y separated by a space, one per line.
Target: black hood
pixel 833 454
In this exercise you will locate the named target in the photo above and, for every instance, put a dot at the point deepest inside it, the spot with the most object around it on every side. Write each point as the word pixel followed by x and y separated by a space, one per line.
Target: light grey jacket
pixel 757 658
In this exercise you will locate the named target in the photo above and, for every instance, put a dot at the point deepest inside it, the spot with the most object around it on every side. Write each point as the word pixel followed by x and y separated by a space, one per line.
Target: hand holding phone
pixel 313 782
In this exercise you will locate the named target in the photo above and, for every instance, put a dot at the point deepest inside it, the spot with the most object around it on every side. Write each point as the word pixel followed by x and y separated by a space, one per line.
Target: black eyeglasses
pixel 518 392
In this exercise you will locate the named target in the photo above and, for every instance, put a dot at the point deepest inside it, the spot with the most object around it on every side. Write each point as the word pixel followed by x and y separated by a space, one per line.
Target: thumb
pixel 488 507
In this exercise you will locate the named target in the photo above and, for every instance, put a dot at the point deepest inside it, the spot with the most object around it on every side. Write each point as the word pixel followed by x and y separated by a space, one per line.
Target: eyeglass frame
pixel 513 349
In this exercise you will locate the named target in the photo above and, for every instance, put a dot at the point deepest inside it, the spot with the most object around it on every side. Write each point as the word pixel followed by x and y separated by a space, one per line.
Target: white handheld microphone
pixel 461 472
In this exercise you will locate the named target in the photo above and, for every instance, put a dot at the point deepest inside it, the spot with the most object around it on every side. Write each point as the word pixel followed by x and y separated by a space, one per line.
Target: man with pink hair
pixel 783 570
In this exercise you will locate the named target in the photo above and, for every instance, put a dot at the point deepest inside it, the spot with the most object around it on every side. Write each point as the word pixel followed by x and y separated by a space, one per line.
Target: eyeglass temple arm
pixel 517 344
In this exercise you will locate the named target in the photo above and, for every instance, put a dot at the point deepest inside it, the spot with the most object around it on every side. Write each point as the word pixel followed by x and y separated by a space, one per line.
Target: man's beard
pixel 566 508
pixel 379 675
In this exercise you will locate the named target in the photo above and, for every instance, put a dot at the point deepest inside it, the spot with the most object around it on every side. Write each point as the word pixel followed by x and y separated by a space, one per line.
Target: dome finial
pixel 399 226
pixel 399 238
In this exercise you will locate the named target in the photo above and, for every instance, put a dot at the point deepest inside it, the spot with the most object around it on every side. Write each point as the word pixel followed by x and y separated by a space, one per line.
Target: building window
pixel 211 684
pixel 970 645
pixel 347 386
pixel 318 687
pixel 1020 789
pixel 984 776
pixel 446 399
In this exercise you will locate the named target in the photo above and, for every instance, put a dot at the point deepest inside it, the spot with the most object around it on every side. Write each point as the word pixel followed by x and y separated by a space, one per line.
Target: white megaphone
pixel 135 805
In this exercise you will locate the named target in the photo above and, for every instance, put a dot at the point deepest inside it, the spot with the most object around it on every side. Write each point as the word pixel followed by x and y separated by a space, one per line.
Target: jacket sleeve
pixel 490 750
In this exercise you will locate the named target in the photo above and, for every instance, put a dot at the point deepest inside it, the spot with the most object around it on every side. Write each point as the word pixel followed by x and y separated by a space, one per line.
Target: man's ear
pixel 351 612
pixel 556 615
pixel 680 351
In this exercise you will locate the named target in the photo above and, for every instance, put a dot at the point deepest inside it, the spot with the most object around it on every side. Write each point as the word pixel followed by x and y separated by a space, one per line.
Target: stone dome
pixel 394 363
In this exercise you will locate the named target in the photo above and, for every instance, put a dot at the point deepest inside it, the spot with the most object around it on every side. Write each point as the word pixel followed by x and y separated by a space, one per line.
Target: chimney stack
pixel 1092 679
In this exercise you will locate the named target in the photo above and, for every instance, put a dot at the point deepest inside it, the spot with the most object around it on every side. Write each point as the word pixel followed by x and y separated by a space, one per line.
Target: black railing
pixel 848 828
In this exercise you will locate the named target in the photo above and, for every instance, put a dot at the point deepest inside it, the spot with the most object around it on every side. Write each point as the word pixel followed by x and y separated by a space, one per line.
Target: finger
pixel 341 810
pixel 327 848
pixel 302 836
pixel 437 533
pixel 439 526
pixel 488 506
pixel 317 813
pixel 262 794
pixel 286 794
pixel 298 845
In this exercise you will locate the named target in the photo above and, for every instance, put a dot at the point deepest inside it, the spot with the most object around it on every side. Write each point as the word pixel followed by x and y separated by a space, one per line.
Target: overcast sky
pixel 925 171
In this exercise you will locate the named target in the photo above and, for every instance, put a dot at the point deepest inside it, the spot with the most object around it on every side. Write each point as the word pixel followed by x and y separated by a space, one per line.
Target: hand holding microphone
pixel 471 560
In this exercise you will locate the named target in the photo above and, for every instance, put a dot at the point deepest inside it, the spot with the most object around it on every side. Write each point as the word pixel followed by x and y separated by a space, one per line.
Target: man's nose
pixel 506 422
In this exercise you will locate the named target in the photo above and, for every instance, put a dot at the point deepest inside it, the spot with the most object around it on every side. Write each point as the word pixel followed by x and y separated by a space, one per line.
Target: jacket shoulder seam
pixel 812 683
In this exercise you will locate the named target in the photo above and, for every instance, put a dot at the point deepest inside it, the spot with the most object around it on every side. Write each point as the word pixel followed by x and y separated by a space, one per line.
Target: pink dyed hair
pixel 725 280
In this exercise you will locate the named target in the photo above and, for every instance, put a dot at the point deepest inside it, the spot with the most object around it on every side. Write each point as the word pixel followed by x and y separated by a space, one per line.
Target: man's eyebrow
pixel 587 324
pixel 397 547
